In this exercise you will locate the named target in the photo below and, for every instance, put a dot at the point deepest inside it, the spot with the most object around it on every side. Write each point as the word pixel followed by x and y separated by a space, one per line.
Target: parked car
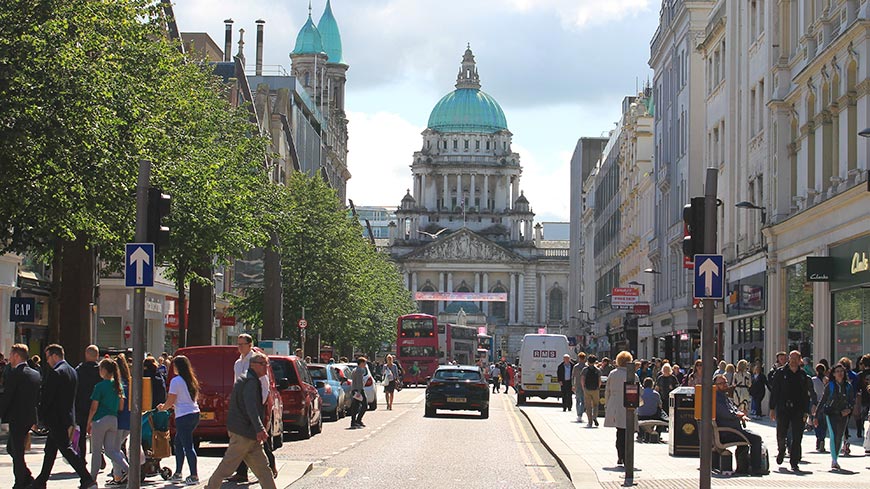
pixel 303 406
pixel 214 369
pixel 330 382
pixel 370 388
pixel 457 387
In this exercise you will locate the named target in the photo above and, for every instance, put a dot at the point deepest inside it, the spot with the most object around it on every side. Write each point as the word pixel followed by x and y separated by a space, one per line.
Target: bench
pixel 647 430
pixel 722 451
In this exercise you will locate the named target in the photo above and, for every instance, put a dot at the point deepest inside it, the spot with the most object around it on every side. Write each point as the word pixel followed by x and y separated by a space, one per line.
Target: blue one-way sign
pixel 139 265
pixel 709 277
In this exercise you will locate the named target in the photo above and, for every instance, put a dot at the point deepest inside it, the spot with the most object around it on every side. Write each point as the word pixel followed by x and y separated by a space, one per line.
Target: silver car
pixel 370 387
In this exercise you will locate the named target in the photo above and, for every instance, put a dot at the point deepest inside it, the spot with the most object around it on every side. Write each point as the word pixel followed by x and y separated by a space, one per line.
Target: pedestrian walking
pixel 245 343
pixel 836 406
pixel 18 408
pixel 494 375
pixel 124 412
pixel 728 416
pixel 390 375
pixel 246 428
pixel 757 390
pixel 606 366
pixel 590 382
pixel 820 381
pixel 614 410
pixel 182 397
pixel 789 401
pixel 158 381
pixel 694 378
pixel 357 391
pixel 57 401
pixel 577 385
pixel 88 374
pixel 511 380
pixel 741 383
pixel 103 423
pixel 563 373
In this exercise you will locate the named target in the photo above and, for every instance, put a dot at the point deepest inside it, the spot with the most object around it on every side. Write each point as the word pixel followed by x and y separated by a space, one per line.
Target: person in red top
pixel 511 379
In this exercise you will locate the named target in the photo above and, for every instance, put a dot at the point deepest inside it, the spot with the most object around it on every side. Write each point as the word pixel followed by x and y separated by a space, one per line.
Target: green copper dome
pixel 330 36
pixel 308 41
pixel 467 110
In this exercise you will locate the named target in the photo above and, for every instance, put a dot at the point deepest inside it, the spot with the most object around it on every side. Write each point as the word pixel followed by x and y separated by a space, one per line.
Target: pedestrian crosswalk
pixel 333 472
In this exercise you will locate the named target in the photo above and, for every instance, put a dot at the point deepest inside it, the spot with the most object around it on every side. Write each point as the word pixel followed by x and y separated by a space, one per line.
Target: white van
pixel 540 356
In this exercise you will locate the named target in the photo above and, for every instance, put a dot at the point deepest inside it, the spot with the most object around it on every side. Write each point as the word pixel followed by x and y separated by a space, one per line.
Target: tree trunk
pixel 76 294
pixel 273 300
pixel 54 297
pixel 201 310
pixel 181 306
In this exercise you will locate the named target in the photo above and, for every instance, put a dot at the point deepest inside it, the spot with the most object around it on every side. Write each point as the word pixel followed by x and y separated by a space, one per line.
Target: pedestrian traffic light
pixel 693 221
pixel 158 208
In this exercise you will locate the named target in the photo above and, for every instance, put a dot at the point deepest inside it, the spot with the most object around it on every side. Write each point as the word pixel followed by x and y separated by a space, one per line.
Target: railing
pixel 553 252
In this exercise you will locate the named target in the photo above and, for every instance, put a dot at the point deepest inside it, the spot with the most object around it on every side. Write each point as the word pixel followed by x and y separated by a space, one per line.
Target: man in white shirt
pixel 494 372
pixel 246 350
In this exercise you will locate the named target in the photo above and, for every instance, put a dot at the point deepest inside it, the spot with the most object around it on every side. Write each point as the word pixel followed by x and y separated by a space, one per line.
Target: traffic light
pixel 158 208
pixel 693 220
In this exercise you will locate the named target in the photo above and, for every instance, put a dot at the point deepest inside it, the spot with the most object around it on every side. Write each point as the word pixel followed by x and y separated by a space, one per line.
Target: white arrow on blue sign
pixel 139 265
pixel 709 277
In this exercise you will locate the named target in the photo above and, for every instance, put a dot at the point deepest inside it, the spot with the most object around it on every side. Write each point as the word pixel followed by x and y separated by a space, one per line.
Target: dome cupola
pixel 330 36
pixel 308 41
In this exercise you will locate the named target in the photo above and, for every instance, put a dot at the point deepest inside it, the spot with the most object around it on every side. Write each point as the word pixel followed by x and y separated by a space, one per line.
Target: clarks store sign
pixel 852 263
pixel 820 269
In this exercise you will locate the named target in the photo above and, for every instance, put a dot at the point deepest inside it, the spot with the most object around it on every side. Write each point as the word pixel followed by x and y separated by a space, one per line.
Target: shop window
pixel 799 309
pixel 851 319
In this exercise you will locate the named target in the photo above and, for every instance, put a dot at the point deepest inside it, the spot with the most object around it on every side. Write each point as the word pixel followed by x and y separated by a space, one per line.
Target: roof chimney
pixel 228 40
pixel 260 47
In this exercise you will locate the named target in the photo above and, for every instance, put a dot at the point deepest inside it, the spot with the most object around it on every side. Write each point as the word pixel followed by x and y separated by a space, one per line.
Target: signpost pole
pixel 133 478
pixel 629 430
pixel 710 227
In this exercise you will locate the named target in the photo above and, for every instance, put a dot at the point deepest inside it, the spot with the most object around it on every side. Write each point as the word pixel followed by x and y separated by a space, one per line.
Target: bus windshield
pixel 418 328
pixel 417 351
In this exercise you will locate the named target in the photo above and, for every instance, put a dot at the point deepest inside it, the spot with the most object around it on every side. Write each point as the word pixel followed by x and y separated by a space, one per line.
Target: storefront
pixel 850 298
pixel 745 308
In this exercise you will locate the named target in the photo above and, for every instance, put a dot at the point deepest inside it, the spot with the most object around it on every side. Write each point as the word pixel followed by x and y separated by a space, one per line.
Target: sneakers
pixel 176 477
pixel 589 424
pixel 191 480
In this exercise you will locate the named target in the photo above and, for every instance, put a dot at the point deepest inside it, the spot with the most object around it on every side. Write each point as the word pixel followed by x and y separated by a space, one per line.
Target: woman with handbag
pixel 391 376
pixel 103 423
pixel 183 391
pixel 836 404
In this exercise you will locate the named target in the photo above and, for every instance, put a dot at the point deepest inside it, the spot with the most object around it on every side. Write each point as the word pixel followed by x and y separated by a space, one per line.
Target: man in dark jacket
pixel 88 373
pixel 791 393
pixel 246 429
pixel 18 408
pixel 728 416
pixel 56 410
pixel 563 373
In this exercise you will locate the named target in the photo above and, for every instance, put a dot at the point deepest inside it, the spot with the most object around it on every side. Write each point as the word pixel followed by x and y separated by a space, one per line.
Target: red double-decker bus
pixel 417 345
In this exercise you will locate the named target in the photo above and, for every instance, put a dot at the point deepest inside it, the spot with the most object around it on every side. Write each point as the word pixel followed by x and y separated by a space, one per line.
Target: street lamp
pixel 642 286
pixel 652 271
pixel 749 205
pixel 865 133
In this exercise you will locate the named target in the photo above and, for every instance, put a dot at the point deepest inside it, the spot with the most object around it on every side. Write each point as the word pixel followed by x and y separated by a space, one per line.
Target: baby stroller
pixel 155 422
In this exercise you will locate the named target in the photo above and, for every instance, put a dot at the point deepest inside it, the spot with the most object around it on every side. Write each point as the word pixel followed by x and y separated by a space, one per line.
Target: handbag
pixel 161 445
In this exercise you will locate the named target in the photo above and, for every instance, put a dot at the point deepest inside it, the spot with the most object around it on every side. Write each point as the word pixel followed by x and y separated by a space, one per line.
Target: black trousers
pixel 754 445
pixel 358 409
pixel 566 395
pixel 58 440
pixel 790 424
pixel 620 444
pixel 15 446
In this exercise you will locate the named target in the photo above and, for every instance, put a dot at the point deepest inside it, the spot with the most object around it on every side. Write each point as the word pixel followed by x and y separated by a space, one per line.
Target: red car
pixel 214 369
pixel 302 403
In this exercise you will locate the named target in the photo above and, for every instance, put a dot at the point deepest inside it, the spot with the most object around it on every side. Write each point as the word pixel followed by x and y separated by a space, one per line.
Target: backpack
pixel 593 376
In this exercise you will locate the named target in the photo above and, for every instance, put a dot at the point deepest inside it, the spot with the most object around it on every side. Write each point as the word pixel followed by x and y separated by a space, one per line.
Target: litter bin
pixel 682 426
pixel 601 407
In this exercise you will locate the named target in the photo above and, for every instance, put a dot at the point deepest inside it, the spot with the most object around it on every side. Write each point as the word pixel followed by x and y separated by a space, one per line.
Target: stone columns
pixel 521 299
pixel 471 193
pixel 485 201
pixel 413 282
pixel 515 190
pixel 446 191
pixel 450 282
pixel 477 287
pixel 486 289
pixel 441 289
pixel 421 200
pixel 459 195
pixel 512 299
pixel 542 299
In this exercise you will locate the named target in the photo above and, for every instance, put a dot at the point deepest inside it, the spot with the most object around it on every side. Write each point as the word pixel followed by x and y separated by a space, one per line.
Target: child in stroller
pixel 155 421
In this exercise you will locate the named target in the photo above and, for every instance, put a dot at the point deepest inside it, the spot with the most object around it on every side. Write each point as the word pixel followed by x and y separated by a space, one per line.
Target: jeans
pixel 249 451
pixel 184 427
pixel 756 405
pixel 836 430
pixel 104 436
pixel 790 424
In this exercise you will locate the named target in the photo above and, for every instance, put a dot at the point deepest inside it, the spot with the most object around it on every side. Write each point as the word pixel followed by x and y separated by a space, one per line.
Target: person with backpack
pixel 836 404
pixel 590 379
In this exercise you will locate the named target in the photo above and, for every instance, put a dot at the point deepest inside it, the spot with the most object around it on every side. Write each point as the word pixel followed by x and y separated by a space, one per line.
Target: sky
pixel 558 68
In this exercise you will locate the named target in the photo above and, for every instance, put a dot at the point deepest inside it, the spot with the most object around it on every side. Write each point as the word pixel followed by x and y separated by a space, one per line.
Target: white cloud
pixel 380 151
pixel 580 13
pixel 545 184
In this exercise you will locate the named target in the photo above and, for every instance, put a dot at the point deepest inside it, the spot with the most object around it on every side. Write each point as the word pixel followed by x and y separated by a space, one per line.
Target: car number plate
pixel 206 416
pixel 456 399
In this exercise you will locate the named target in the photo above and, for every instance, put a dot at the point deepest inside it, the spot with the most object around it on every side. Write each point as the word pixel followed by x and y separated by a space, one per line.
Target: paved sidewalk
pixel 209 456
pixel 588 455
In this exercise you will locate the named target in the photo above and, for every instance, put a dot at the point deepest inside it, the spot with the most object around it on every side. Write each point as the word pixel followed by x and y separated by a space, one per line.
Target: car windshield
pixel 317 373
pixel 457 375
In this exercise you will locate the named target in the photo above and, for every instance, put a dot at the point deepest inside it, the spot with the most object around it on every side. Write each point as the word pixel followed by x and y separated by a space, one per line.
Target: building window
pixel 477 144
pixel 428 307
pixel 799 310
pixel 487 144
pixel 466 144
pixel 499 309
pixel 455 144
pixel 556 312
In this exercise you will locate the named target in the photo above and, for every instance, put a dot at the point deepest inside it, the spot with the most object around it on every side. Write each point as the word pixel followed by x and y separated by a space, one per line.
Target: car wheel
pixel 305 429
pixel 430 412
pixel 521 400
pixel 318 428
pixel 484 413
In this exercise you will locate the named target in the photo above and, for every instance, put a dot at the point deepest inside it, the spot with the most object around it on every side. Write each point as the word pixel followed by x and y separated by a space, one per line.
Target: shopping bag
pixel 76 436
